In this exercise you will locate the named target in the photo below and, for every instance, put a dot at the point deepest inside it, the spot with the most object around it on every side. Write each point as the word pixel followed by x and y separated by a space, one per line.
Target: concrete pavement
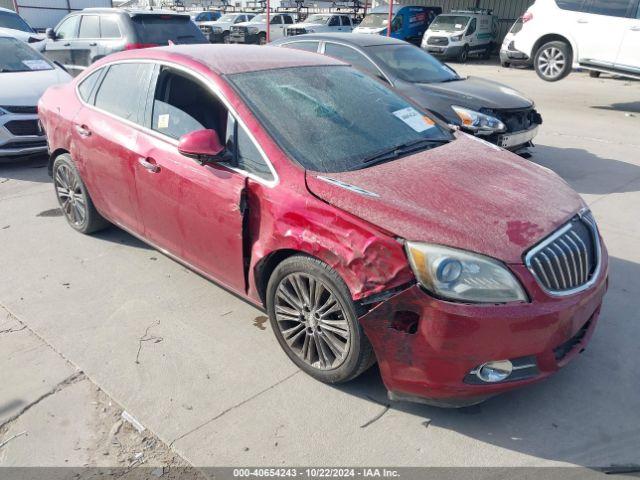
pixel 202 370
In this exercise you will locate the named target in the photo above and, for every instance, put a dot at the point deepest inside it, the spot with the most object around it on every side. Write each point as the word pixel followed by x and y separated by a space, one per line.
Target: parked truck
pixel 407 22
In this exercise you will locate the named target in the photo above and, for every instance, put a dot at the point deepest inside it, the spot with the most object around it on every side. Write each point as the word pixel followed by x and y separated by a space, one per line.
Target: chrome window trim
pixel 324 44
pixel 215 91
pixel 585 216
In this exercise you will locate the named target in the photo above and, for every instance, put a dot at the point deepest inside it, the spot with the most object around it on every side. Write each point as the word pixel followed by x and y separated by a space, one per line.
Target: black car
pixel 487 109
pixel 83 37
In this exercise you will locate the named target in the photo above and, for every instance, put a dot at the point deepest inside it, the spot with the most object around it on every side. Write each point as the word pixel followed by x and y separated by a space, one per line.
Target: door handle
pixel 66 44
pixel 149 164
pixel 83 131
pixel 93 44
pixel 635 28
pixel 582 20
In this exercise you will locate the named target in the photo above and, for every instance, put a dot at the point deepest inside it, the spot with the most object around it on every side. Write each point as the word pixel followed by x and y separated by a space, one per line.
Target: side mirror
pixel 51 34
pixel 201 145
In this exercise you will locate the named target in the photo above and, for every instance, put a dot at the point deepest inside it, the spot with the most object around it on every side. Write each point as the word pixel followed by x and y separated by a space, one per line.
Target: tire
pixel 505 64
pixel 487 53
pixel 463 56
pixel 262 39
pixel 594 74
pixel 345 351
pixel 225 38
pixel 553 61
pixel 73 198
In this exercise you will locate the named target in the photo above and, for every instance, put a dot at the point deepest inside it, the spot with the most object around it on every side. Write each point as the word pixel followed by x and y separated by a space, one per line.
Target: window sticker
pixel 163 121
pixel 412 118
pixel 36 65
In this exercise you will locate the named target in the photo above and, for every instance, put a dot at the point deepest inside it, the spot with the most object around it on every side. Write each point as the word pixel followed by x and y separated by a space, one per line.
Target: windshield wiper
pixel 404 149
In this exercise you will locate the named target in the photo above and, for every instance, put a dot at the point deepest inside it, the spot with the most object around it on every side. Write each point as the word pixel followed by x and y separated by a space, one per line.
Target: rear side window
pixel 288 20
pixel 159 29
pixel 517 26
pixel 109 28
pixel 90 27
pixel 611 8
pixel 86 87
pixel 306 46
pixel 573 5
pixel 346 21
pixel 124 102
pixel 334 22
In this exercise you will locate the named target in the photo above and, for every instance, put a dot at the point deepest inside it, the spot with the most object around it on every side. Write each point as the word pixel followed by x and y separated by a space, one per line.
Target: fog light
pixel 492 372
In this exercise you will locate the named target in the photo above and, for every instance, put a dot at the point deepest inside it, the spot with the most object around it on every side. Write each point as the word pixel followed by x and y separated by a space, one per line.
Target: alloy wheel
pixel 70 195
pixel 551 62
pixel 312 321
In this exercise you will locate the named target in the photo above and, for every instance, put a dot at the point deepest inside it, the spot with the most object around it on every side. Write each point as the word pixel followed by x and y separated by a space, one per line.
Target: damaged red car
pixel 367 229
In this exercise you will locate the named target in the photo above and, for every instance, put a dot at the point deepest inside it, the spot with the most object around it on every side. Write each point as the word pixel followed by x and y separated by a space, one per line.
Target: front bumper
pixel 249 38
pixel 19 135
pixel 431 361
pixel 516 140
pixel 514 57
pixel 451 51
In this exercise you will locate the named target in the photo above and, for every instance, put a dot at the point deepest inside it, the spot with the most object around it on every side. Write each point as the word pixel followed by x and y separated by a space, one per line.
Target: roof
pixel 356 39
pixel 6 10
pixel 132 11
pixel 397 8
pixel 229 59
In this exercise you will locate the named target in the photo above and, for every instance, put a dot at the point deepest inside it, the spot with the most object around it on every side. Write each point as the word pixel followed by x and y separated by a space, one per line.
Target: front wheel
pixel 553 61
pixel 74 200
pixel 594 74
pixel 262 39
pixel 314 319
pixel 225 38
pixel 463 56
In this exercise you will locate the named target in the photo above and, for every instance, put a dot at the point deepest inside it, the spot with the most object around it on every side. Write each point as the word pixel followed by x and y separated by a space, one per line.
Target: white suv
pixel 597 35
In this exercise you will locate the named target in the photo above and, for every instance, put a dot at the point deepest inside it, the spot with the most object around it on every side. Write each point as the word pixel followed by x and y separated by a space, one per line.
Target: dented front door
pixel 192 210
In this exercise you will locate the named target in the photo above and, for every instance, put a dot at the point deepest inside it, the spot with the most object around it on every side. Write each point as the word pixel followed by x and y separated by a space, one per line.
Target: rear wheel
pixel 74 200
pixel 315 321
pixel 553 61
pixel 594 74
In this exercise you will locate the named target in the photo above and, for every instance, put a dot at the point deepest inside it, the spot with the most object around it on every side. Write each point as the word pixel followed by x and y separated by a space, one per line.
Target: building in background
pixel 41 17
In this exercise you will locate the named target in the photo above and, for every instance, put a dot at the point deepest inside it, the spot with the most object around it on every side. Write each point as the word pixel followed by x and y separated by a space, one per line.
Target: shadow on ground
pixel 588 173
pixel 31 169
pixel 630 107
pixel 588 414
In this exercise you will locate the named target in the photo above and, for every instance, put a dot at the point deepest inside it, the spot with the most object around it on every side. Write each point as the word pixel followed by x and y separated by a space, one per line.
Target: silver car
pixel 24 76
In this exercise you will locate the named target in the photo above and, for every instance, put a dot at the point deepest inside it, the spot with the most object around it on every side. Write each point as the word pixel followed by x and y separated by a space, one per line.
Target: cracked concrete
pixel 221 391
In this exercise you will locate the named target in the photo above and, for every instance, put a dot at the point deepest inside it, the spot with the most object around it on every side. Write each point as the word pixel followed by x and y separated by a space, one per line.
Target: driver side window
pixel 69 28
pixel 183 105
pixel 472 27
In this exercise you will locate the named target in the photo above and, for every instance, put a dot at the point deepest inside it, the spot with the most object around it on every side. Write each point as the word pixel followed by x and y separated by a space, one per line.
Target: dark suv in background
pixel 83 37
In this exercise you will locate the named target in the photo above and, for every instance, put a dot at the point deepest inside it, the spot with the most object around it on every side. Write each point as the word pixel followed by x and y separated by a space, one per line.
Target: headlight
pixel 456 38
pixel 478 122
pixel 459 275
pixel 253 29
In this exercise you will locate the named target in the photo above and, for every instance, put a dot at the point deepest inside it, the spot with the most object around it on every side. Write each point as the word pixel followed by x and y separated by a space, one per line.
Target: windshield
pixel 449 23
pixel 159 29
pixel 14 22
pixel 317 19
pixel 262 18
pixel 343 118
pixel 17 56
pixel 375 20
pixel 411 64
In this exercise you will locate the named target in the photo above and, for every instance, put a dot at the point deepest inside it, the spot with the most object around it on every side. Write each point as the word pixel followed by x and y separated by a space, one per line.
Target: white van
pixel 461 33
pixel 597 35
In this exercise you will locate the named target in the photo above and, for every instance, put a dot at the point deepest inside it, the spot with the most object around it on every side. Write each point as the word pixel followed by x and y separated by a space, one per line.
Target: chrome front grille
pixel 569 260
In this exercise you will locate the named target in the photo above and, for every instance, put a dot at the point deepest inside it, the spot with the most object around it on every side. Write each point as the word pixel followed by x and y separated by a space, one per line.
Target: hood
pixel 26 88
pixel 369 29
pixel 467 194
pixel 250 24
pixel 475 93
pixel 306 25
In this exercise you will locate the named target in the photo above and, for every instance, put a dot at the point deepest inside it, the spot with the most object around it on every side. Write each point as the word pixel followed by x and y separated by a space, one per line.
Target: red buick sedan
pixel 366 228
